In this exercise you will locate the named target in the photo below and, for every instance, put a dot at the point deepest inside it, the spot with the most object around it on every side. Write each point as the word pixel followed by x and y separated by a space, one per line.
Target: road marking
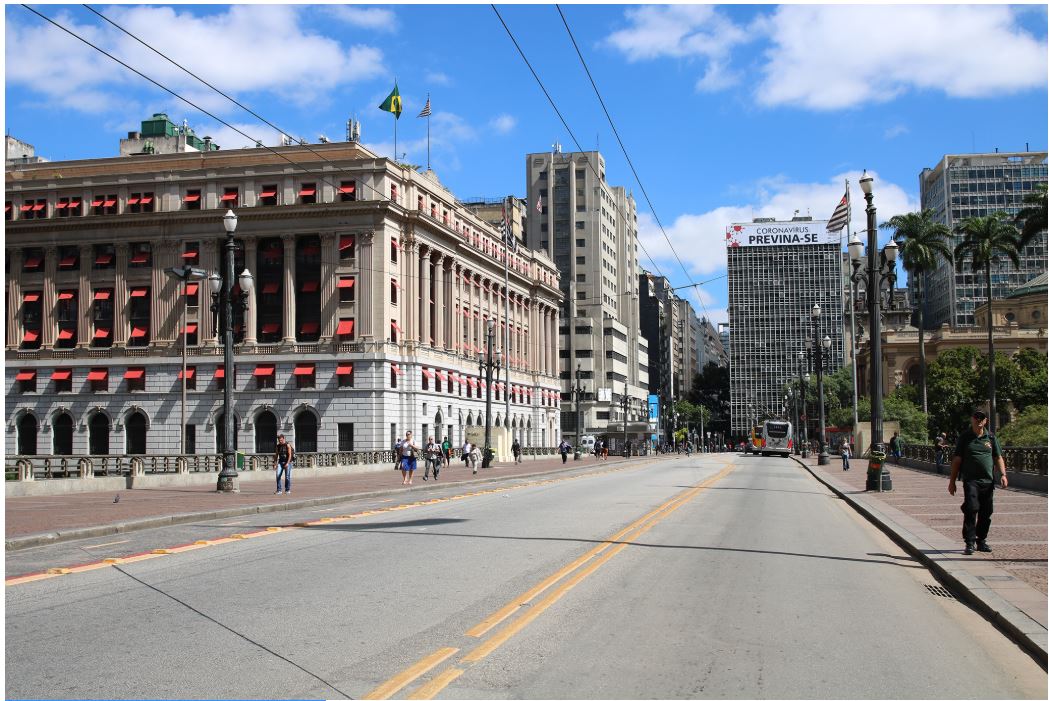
pixel 395 684
pixel 434 686
pixel 102 545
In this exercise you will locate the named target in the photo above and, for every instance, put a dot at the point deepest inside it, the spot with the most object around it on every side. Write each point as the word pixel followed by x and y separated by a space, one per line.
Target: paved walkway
pixel 1008 585
pixel 37 520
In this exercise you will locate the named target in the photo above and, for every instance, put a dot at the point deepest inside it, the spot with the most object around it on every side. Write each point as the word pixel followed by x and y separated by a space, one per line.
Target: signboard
pixel 780 233
pixel 653 411
pixel 604 394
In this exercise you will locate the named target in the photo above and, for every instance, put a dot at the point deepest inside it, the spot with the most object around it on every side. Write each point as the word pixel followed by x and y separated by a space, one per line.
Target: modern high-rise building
pixel 777 272
pixel 976 185
pixel 590 230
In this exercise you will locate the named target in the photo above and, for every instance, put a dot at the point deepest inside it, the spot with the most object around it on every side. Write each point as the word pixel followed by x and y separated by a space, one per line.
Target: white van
pixel 586 444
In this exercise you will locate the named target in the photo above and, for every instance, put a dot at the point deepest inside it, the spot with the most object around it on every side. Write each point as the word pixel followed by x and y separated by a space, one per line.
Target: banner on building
pixel 784 233
pixel 653 412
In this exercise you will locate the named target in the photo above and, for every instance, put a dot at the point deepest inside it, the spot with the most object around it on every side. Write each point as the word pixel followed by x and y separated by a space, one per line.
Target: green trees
pixel 710 389
pixel 985 241
pixel 1029 429
pixel 922 242
pixel 1032 218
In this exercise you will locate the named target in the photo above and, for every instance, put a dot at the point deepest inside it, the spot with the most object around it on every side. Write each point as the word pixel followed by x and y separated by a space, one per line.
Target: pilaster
pixel 288 297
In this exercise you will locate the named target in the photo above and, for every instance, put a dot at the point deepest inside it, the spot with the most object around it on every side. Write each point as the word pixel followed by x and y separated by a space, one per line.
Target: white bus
pixel 778 438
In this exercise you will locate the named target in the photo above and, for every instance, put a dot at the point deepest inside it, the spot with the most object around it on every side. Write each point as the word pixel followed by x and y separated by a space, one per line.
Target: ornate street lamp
pixel 879 277
pixel 184 274
pixel 820 348
pixel 578 394
pixel 486 365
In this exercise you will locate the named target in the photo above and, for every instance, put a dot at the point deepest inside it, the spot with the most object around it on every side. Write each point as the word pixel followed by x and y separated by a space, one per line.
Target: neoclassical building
pixel 372 289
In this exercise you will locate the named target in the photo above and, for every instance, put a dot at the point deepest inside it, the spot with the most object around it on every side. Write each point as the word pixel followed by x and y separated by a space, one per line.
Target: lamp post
pixel 626 453
pixel 486 366
pixel 879 277
pixel 224 286
pixel 184 275
pixel 803 377
pixel 820 348
pixel 578 394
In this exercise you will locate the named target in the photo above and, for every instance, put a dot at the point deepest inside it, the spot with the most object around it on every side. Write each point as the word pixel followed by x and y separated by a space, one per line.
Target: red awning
pixel 25 375
pixel 346 282
pixel 134 373
pixel 395 283
pixel 309 327
pixel 26 207
pixel 191 327
pixel 429 373
pixel 30 336
pixel 103 294
pixel 7 207
pixel 65 334
pixel 345 327
pixel 140 257
pixel 229 196
pixel 471 381
pixel 31 297
pixel 220 372
pixel 109 203
pixel 264 370
pixel 67 262
pixel 104 259
pixel 32 262
pixel 344 369
pixel 74 203
pixel 443 375
pixel 310 286
pixel 191 288
pixel 191 198
pixel 268 193
pixel 190 372
pixel 137 332
pixel 139 291
pixel 146 199
pixel 396 368
pixel 190 254
pixel 61 374
pixel 61 205
pixel 393 240
pixel 38 206
pixel 345 242
pixel 101 333
pixel 97 203
pixel 395 325
pixel 66 295
pixel 100 374
pixel 304 369
pixel 307 192
pixel 132 200
pixel 270 328
pixel 346 189
pixel 270 288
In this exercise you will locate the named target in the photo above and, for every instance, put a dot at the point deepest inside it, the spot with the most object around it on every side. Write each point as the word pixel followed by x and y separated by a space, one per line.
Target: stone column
pixel 251 320
pixel 165 305
pixel 207 261
pixel 48 318
pixel 457 308
pixel 329 293
pixel 121 308
pixel 85 299
pixel 288 320
pixel 367 292
pixel 439 316
pixel 425 332
pixel 14 299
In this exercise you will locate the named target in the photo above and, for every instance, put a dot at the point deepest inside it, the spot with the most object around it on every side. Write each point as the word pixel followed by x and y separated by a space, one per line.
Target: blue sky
pixel 728 112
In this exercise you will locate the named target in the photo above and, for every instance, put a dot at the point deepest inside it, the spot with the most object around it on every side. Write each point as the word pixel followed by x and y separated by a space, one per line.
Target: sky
pixel 727 112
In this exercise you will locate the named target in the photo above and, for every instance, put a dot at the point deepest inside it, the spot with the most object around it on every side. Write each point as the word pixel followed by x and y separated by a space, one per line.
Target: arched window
pixel 27 427
pixel 306 432
pixel 266 433
pixel 220 433
pixel 98 434
pixel 135 427
pixel 62 434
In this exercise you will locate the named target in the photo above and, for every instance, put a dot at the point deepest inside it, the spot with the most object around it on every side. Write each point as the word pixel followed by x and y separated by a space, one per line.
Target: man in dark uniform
pixel 975 457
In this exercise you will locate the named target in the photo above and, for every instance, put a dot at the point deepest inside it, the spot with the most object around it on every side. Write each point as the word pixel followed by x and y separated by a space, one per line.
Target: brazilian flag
pixel 393 103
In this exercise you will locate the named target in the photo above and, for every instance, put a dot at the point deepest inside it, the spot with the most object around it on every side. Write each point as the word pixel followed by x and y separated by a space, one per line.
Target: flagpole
pixel 394 138
pixel 427 134
pixel 852 321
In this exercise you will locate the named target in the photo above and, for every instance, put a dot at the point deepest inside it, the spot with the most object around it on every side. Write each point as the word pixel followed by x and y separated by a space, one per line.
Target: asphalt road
pixel 715 576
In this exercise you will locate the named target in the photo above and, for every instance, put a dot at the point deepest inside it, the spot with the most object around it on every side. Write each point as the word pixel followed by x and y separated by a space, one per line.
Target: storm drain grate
pixel 937 590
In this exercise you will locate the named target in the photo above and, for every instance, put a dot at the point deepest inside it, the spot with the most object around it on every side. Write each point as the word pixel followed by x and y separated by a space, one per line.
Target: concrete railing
pixel 1026 467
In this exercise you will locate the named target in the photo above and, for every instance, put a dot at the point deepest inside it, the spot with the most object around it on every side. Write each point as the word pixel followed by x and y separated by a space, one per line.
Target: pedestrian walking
pixel 564 447
pixel 975 457
pixel 432 453
pixel 284 456
pixel 516 450
pixel 895 446
pixel 475 457
pixel 846 453
pixel 446 448
pixel 941 452
pixel 409 454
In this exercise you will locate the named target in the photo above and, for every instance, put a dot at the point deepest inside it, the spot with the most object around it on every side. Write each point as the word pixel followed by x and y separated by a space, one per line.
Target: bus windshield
pixel 776 429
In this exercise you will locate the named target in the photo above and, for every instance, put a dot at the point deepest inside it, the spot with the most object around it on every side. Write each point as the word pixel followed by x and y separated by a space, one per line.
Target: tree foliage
pixel 710 389
pixel 913 423
pixel 1032 218
pixel 1029 429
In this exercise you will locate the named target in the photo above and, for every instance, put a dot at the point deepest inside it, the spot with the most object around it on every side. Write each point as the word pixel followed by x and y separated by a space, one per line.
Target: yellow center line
pixel 434 686
pixel 395 684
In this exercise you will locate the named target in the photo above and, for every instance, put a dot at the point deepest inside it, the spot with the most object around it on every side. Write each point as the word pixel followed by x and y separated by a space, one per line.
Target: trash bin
pixel 240 460
pixel 876 471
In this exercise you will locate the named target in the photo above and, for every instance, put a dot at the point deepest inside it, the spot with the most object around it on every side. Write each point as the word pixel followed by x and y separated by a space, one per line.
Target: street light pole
pixel 487 364
pixel 578 410
pixel 184 275
pixel 626 453
pixel 818 346
pixel 227 481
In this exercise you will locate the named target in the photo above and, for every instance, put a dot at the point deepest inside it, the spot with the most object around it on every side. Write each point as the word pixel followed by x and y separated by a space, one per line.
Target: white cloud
pixel 374 18
pixel 896 130
pixel 679 31
pixel 447 131
pixel 827 57
pixel 699 239
pixel 437 78
pixel 503 124
pixel 244 49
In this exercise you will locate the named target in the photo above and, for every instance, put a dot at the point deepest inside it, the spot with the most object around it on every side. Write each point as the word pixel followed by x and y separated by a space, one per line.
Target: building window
pixel 427 374
pixel 9 211
pixel 139 306
pixel 191 377
pixel 393 192
pixel 105 256
pixel 192 199
pixel 265 376
pixel 69 206
pixel 68 258
pixel 394 329
pixel 344 373
pixel 580 243
pixel 63 380
pixel 33 260
pixel 66 316
pixel 140 202
pixel 99 379
pixel 268 196
pixel 191 439
pixel 34 209
pixel 308 193
pixel 32 310
pixel 141 255
pixel 136 379
pixel 580 260
pixel 345 438
pixel 230 197
pixel 26 380
pixel 394 288
pixel 102 317
pixel 345 330
pixel 348 190
pixel 347 247
pixel 346 287
pixel 305 376
pixel 394 247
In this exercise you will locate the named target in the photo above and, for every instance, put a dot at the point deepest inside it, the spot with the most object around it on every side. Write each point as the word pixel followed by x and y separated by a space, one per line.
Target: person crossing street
pixel 432 453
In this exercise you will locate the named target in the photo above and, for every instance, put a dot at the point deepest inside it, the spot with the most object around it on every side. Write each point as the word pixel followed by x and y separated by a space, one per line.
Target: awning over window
pixel 191 327
pixel 61 374
pixel 428 372
pixel 61 205
pixel 309 327
pixel 140 257
pixel 304 369
pixel 134 373
pixel 97 202
pixel 270 328
pixel 310 286
pixel 443 375
pixel 471 381
pixel 137 332
pixel 347 189
pixel 38 206
pixel 109 203
pixel 25 375
pixel 104 259
pixel 270 288
pixel 30 336
pixel 395 283
pixel 229 196
pixel 99 374
pixel 133 200
pixel 67 294
pixel 146 199
pixel 220 372
pixel 191 288
pixel 345 242
pixel 345 282
pixel 26 207
pixel 396 326
pixel 307 192
pixel 396 368
pixel 32 262
pixel 344 369
pixel 345 327
pixel 103 294
pixel 264 370
pixel 268 193
pixel 101 333
pixel 190 372
pixel 139 291
pixel 73 204
pixel 192 197
pixel 31 297
pixel 67 262
pixel 393 240
pixel 65 334
pixel 191 255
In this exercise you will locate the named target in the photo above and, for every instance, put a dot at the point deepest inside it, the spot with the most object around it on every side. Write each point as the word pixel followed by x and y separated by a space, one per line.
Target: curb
pixel 1009 619
pixel 38 539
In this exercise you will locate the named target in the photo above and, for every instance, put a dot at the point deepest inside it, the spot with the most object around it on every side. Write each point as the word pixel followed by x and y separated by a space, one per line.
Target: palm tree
pixel 922 241
pixel 985 240
pixel 1032 218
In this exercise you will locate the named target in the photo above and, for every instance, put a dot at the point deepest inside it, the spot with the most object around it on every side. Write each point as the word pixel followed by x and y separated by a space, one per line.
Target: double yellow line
pixel 572 574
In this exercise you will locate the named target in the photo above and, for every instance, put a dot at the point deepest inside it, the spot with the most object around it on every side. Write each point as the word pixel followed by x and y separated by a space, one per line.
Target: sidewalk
pixel 1008 586
pixel 37 520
